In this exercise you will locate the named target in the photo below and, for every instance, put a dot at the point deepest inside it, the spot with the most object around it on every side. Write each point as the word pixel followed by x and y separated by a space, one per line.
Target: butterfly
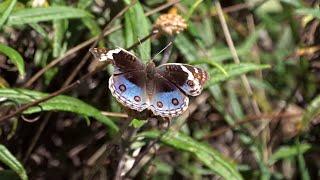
pixel 164 89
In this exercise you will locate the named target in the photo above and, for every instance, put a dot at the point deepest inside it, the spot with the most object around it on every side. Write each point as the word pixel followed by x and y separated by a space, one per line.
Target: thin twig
pixel 225 10
pixel 236 7
pixel 235 56
pixel 56 93
pixel 162 7
pixel 67 54
pixel 114 114
pixel 24 107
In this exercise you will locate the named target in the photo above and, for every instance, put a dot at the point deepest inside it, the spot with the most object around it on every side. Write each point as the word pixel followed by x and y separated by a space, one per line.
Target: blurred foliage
pixel 257 119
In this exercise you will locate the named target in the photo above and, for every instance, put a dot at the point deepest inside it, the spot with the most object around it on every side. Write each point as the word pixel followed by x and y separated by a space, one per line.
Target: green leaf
pixel 7 158
pixel 186 47
pixel 15 57
pixel 270 6
pixel 223 53
pixel 285 152
pixel 60 27
pixel 216 75
pixel 301 162
pixel 193 8
pixel 92 25
pixel 117 37
pixel 137 26
pixel 82 4
pixel 295 3
pixel 190 52
pixel 213 64
pixel 206 154
pixel 5 4
pixel 7 12
pixel 40 30
pixel 311 112
pixel 235 104
pixel 58 103
pixel 33 15
pixel 136 123
pixel 309 11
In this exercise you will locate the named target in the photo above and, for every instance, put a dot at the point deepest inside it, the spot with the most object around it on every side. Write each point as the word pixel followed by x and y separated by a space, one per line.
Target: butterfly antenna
pixel 168 45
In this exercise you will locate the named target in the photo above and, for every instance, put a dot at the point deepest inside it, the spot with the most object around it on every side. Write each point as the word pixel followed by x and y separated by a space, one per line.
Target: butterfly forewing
pixel 188 78
pixel 167 100
pixel 122 60
pixel 130 89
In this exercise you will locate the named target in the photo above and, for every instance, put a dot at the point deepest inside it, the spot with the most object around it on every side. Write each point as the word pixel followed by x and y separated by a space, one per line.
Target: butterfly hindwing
pixel 188 78
pixel 167 100
pixel 130 89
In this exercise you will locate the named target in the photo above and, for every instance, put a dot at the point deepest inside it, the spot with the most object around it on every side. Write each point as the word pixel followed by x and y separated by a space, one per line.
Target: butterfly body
pixel 163 90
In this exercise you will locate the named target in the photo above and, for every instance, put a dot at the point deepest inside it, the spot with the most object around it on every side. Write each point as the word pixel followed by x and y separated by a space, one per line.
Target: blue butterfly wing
pixel 130 89
pixel 167 100
pixel 188 78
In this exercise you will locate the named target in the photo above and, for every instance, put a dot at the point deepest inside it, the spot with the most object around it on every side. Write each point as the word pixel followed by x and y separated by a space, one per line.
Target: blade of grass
pixel 60 27
pixel 214 64
pixel 301 162
pixel 83 4
pixel 34 15
pixel 216 75
pixel 57 103
pixel 193 8
pixel 15 57
pixel 136 28
pixel 207 155
pixel 40 30
pixel 285 152
pixel 314 12
pixel 7 158
pixel 91 24
pixel 186 47
pixel 7 12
